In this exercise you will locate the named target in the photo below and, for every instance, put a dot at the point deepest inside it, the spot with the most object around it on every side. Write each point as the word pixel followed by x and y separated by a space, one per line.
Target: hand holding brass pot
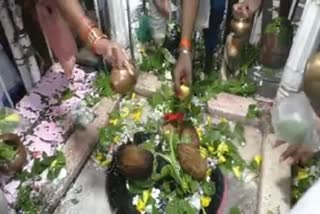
pixel 311 80
pixel 241 27
pixel 123 80
pixel 17 163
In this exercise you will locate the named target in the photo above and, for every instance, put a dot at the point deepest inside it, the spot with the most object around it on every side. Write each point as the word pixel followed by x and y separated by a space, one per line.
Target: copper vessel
pixel 233 52
pixel 122 80
pixel 311 80
pixel 273 53
pixel 17 163
pixel 241 27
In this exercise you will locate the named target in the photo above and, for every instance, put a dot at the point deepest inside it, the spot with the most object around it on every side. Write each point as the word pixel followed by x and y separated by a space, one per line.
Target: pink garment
pixel 58 34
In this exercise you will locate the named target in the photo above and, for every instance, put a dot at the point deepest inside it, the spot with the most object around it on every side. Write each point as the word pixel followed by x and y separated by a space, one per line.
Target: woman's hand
pixel 113 53
pixel 183 71
pixel 246 8
pixel 296 154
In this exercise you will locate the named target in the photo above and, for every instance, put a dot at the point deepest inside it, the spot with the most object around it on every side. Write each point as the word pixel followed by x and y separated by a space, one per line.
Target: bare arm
pixel 72 13
pixel 189 15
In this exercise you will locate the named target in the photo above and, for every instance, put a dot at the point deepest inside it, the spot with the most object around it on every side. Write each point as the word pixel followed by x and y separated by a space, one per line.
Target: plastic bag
pixel 293 120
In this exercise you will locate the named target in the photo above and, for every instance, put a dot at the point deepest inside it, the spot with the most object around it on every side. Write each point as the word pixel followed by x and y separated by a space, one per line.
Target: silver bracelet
pixel 185 51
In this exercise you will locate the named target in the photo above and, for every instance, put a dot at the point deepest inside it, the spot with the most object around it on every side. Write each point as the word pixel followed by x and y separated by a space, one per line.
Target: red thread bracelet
pixel 185 43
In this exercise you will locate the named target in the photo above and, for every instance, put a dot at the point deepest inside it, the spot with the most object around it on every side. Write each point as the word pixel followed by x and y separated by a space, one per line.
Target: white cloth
pixel 159 23
pixel 309 203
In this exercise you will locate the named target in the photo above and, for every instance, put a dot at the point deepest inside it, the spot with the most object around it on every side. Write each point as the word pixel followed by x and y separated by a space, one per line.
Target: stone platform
pixel 269 193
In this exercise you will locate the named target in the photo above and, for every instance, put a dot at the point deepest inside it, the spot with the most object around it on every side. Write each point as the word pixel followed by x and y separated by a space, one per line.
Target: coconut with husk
pixel 13 154
pixel 189 135
pixel 123 80
pixel 191 161
pixel 134 162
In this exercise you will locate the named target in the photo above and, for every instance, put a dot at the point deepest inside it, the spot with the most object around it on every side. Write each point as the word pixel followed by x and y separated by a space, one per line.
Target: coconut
pixel 192 162
pixel 189 135
pixel 135 162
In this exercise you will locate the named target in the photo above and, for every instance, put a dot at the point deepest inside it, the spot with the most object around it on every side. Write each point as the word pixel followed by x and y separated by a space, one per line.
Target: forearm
pixel 189 15
pixel 73 13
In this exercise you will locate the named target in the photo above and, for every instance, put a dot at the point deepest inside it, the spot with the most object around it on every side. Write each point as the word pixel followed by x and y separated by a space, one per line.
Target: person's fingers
pixel 108 55
pixel 277 143
pixel 118 58
pixel 290 161
pixel 126 55
pixel 290 151
pixel 189 78
pixel 177 79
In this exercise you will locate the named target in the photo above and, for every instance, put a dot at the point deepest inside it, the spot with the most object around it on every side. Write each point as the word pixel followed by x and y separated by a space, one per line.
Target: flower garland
pixel 217 147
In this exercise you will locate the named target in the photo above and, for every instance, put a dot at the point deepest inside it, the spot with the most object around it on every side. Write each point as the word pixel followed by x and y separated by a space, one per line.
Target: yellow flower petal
pixel 133 96
pixel 221 159
pixel 203 152
pixel 209 172
pixel 106 163
pixel 125 112
pixel 209 120
pixel 116 139
pixel 205 201
pixel 200 133
pixel 223 120
pixel 237 171
pixel 141 206
pixel 223 148
pixel 99 157
pixel 302 174
pixel 12 118
pixel 145 196
pixel 211 149
pixel 258 160
pixel 136 116
pixel 114 122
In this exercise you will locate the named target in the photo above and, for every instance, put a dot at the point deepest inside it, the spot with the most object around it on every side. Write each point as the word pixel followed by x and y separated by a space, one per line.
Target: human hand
pixel 295 153
pixel 163 7
pixel 246 8
pixel 111 52
pixel 183 71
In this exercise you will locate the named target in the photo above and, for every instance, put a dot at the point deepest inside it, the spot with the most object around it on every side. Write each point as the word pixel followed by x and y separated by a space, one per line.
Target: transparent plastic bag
pixel 293 120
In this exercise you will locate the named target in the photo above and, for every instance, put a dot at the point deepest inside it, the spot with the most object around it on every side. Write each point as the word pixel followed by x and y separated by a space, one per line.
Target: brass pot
pixel 135 162
pixel 20 158
pixel 274 53
pixel 122 80
pixel 241 27
pixel 233 51
pixel 311 80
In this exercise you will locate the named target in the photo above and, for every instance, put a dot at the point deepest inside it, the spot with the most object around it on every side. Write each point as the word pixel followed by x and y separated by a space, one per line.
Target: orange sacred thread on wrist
pixel 185 43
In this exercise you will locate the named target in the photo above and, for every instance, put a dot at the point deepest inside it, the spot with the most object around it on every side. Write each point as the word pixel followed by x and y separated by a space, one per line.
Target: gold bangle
pixel 93 49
